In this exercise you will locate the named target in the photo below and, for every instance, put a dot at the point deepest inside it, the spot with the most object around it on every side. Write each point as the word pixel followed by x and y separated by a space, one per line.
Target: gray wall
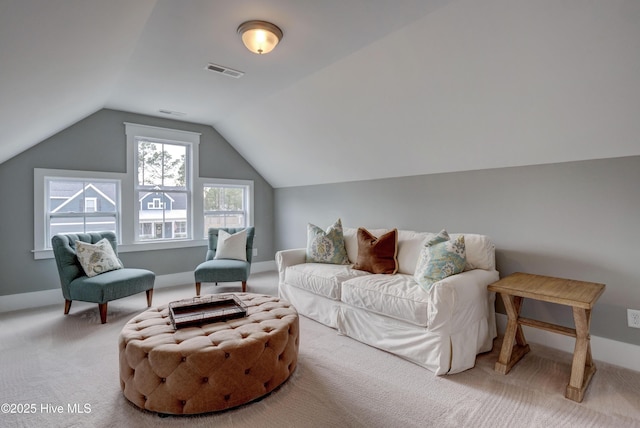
pixel 98 143
pixel 576 220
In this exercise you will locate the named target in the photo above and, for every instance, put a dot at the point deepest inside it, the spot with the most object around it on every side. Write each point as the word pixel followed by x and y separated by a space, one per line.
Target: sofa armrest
pixel 460 300
pixel 286 258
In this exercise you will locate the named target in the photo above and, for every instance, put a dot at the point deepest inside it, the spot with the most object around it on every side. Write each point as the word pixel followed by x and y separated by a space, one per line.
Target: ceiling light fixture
pixel 260 37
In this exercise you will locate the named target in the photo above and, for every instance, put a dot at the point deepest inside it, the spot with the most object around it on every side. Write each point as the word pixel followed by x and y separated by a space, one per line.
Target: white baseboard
pixel 609 351
pixel 37 299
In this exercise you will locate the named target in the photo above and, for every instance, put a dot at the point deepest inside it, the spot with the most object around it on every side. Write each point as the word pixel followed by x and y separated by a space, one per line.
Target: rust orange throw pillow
pixel 377 255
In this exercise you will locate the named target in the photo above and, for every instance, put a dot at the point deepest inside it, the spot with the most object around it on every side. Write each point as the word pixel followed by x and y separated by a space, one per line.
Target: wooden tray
pixel 202 310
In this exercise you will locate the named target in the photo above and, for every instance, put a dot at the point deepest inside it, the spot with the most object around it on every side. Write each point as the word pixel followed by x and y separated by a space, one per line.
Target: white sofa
pixel 442 330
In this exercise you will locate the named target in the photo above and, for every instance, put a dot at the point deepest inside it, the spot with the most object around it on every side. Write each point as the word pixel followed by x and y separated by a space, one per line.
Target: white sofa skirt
pixel 440 353
pixel 443 351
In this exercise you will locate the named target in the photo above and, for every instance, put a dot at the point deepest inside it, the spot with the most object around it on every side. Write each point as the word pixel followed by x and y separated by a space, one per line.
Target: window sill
pixel 47 253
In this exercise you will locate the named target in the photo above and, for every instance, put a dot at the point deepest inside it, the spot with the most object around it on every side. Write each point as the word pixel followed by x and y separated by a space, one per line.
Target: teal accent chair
pixel 100 289
pixel 224 270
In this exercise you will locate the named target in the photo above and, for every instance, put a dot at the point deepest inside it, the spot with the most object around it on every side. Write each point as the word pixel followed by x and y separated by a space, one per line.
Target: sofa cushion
pixel 396 296
pixel 111 285
pixel 326 247
pixel 320 278
pixel 410 244
pixel 440 257
pixel 377 254
pixel 480 251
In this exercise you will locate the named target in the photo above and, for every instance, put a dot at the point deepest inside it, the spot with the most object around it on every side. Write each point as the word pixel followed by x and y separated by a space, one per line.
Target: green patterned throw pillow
pixel 326 247
pixel 97 258
pixel 439 258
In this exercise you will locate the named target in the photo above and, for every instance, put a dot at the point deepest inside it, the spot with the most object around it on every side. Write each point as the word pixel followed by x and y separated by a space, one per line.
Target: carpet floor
pixel 62 371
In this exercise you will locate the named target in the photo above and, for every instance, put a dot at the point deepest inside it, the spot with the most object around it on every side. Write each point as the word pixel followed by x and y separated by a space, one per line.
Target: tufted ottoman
pixel 209 367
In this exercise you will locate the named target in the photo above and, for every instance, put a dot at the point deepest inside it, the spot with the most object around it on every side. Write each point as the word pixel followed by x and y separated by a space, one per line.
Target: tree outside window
pixel 225 206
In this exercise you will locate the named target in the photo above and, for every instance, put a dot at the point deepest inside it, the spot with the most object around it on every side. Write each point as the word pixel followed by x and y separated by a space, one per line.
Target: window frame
pixel 41 176
pixel 159 203
pixel 93 205
pixel 130 230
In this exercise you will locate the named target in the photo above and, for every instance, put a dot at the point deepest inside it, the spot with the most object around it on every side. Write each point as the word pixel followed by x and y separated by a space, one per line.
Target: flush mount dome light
pixel 260 37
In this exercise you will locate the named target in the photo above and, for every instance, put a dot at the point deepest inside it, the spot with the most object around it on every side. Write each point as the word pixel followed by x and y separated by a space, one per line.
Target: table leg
pixel 514 344
pixel 583 368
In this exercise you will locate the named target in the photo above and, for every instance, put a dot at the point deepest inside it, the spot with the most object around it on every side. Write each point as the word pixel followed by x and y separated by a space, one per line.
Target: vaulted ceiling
pixel 357 89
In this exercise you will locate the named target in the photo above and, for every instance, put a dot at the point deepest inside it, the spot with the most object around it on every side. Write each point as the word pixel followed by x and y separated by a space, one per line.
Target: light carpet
pixel 60 365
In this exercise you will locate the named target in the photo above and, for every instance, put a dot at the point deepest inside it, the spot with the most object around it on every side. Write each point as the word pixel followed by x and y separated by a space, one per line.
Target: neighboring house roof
pixel 143 197
pixel 178 200
pixel 78 193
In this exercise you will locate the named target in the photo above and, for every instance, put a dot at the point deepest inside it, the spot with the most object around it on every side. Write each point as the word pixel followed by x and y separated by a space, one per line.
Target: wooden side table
pixel 580 295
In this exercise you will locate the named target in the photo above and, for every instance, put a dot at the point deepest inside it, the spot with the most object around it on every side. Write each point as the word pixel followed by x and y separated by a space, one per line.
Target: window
pixel 162 187
pixel 151 206
pixel 180 229
pixel 145 229
pixel 156 204
pixel 227 204
pixel 72 206
pixel 162 183
pixel 90 204
pixel 75 202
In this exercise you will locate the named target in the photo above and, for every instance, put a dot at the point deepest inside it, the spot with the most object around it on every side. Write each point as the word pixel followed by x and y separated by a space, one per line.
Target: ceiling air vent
pixel 172 113
pixel 225 70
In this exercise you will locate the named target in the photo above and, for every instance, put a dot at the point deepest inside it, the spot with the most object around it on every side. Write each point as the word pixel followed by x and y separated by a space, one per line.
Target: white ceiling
pixel 357 89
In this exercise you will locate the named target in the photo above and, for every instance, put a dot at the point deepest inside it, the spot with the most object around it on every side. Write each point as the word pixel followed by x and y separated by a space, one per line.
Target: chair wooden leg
pixel 103 312
pixel 197 288
pixel 67 306
pixel 244 286
pixel 149 297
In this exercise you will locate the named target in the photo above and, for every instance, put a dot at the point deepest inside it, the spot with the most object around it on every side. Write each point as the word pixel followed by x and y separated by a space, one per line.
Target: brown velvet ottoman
pixel 209 367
